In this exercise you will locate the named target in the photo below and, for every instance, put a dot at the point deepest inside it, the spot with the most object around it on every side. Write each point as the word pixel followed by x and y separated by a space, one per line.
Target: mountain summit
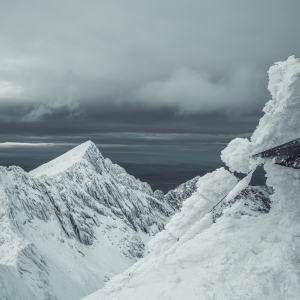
pixel 71 224
pixel 85 152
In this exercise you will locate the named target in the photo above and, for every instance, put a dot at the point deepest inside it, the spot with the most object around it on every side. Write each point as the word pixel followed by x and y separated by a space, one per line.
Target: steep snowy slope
pixel 71 224
pixel 235 255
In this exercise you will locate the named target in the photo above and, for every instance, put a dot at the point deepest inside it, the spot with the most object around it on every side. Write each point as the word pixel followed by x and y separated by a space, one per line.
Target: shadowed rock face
pixel 287 155
pixel 78 212
pixel 253 200
pixel 175 197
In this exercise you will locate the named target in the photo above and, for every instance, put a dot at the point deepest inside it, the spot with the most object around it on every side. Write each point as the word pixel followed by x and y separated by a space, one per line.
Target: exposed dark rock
pixel 255 201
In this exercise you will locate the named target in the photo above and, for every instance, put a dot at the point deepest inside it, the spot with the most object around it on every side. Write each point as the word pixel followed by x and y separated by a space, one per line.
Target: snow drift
pixel 232 251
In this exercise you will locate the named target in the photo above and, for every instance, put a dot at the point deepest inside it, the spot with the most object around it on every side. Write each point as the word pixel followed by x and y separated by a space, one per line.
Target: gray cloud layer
pixel 77 68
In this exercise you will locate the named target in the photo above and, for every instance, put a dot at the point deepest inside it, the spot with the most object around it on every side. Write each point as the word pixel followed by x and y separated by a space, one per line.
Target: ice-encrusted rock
pixel 71 224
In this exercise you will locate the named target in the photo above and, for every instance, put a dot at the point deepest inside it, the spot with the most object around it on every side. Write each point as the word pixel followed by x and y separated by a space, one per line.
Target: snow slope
pixel 231 253
pixel 70 225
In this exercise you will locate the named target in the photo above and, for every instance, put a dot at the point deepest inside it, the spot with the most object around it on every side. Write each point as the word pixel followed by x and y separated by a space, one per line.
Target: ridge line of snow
pixel 64 161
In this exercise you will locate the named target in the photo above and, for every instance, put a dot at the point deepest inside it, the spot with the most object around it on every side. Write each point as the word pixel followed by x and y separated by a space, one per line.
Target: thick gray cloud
pixel 77 68
pixel 192 91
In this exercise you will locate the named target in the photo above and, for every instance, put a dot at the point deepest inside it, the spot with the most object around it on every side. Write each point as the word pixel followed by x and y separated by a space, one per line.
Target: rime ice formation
pixel 281 121
pixel 232 251
pixel 236 155
pixel 68 226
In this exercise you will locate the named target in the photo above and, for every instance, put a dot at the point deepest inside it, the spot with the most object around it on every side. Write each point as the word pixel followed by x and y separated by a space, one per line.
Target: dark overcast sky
pixel 83 67
pixel 139 72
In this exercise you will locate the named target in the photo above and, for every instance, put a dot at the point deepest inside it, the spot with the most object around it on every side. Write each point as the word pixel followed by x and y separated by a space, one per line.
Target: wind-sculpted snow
pixel 246 247
pixel 281 121
pixel 70 225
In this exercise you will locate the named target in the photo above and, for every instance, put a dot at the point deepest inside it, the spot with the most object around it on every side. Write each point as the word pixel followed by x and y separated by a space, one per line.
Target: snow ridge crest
pixel 83 153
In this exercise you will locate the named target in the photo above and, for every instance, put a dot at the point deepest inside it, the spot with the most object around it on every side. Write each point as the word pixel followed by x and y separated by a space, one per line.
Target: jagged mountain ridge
pixel 71 224
pixel 111 185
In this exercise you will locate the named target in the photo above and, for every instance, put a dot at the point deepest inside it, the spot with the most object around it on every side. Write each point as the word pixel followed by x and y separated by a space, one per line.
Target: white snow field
pixel 240 255
pixel 70 225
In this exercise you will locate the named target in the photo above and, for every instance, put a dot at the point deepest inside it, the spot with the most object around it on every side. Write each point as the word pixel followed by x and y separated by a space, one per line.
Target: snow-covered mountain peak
pixel 87 152
pixel 68 226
